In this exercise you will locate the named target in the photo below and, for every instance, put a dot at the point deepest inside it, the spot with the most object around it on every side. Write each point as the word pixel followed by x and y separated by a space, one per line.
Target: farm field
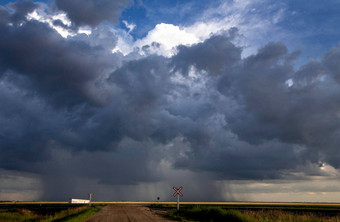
pixel 151 211
pixel 44 211
pixel 251 212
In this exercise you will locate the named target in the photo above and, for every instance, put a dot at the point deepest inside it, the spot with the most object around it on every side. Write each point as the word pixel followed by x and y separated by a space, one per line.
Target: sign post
pixel 177 193
pixel 90 198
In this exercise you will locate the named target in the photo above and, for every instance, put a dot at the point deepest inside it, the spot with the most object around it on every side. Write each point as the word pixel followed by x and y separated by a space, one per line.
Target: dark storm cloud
pixel 305 113
pixel 92 12
pixel 212 55
pixel 267 109
pixel 65 71
pixel 41 70
pixel 71 108
pixel 26 127
pixel 331 61
pixel 21 9
pixel 138 92
pixel 15 13
pixel 270 160
pixel 113 168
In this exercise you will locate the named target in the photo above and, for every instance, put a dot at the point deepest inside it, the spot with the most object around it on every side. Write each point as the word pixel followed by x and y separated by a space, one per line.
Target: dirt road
pixel 126 213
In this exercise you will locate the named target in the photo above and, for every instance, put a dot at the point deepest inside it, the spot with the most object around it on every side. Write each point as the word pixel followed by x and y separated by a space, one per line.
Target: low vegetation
pixel 207 214
pixel 219 213
pixel 45 213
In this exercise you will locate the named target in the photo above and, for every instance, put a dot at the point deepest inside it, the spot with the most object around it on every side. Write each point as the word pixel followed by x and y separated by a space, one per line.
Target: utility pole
pixel 90 198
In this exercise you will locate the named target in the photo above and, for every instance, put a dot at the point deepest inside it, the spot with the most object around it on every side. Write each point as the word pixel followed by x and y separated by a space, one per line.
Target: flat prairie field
pixel 296 206
pixel 234 204
pixel 44 211
pixel 331 208
pixel 250 211
pixel 225 204
pixel 189 211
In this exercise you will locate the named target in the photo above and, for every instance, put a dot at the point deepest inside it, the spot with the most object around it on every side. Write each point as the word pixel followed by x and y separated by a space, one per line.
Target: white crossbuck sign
pixel 178 194
pixel 177 191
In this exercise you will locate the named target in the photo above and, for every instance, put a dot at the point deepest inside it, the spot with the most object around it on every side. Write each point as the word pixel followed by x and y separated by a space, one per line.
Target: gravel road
pixel 126 213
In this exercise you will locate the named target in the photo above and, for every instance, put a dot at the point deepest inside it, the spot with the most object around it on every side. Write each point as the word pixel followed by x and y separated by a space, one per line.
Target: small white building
pixel 79 201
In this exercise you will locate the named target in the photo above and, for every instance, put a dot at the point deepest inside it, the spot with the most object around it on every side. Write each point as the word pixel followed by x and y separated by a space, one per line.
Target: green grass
pixel 218 213
pixel 19 215
pixel 258 206
pixel 46 213
pixel 207 214
pixel 282 216
pixel 80 216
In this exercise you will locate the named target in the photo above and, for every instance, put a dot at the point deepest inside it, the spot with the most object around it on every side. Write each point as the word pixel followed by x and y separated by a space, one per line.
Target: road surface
pixel 126 213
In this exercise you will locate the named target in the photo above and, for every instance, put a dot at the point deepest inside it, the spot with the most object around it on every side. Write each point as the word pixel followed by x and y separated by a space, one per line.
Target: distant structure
pixel 90 198
pixel 79 201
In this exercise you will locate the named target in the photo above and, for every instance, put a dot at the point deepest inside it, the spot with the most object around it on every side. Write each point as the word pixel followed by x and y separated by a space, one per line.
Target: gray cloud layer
pixel 69 101
pixel 92 12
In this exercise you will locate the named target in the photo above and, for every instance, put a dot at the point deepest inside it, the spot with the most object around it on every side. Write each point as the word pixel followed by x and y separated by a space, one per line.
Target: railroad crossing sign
pixel 177 193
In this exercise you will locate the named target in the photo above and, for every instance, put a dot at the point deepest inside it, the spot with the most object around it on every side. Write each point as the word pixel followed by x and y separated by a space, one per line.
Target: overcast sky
pixel 231 99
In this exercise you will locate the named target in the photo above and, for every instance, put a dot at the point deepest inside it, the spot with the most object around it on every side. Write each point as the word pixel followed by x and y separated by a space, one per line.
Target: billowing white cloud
pixel 245 15
pixel 169 36
pixel 162 40
pixel 41 16
pixel 58 21
pixel 130 26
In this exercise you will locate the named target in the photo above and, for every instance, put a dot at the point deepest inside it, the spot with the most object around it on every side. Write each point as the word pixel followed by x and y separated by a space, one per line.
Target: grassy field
pixel 189 211
pixel 252 212
pixel 35 212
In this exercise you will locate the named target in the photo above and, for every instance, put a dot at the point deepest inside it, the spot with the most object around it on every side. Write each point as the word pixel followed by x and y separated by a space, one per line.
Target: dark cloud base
pixel 66 102
pixel 92 12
